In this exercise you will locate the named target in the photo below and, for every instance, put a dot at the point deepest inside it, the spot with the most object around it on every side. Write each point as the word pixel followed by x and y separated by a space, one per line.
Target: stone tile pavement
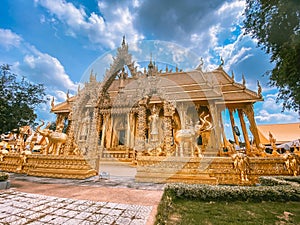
pixel 18 208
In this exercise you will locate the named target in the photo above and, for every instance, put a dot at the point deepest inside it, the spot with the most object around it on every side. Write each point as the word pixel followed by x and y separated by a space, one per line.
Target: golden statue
pixel 190 135
pixel 242 165
pixel 292 162
pixel 56 138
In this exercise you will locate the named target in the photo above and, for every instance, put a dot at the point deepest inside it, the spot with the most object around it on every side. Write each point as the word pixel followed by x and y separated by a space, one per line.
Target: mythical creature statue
pixel 242 165
pixel 55 138
pixel 190 136
pixel 292 162
pixel 273 144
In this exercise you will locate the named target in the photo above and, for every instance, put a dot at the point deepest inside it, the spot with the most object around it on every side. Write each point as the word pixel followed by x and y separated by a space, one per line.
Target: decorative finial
pixel 259 89
pixel 222 62
pixel 150 66
pixel 167 69
pixel 78 88
pixel 243 80
pixel 123 41
pixel 232 75
pixel 52 102
pixel 68 95
pixel 199 67
pixel 91 75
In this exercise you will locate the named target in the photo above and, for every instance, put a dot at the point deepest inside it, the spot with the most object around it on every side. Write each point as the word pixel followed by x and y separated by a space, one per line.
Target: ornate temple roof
pixel 195 85
pixel 63 107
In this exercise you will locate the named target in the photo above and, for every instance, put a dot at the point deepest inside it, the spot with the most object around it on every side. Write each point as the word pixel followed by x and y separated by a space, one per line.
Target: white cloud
pixel 60 96
pixel 106 32
pixel 271 104
pixel 136 3
pixel 9 39
pixel 234 8
pixel 65 11
pixel 264 116
pixel 46 69
pixel 270 112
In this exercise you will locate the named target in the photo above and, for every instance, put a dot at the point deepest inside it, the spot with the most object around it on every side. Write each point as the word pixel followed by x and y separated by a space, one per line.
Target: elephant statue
pixel 55 138
pixel 190 136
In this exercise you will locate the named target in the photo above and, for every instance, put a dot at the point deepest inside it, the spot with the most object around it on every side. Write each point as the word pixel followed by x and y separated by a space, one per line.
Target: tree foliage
pixel 18 99
pixel 276 26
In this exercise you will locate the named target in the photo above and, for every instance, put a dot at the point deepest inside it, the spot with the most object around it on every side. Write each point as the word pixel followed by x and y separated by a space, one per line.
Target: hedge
pixel 279 180
pixel 233 193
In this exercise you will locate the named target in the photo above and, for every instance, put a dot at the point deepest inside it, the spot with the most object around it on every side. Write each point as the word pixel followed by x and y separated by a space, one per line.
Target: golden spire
pixel 123 41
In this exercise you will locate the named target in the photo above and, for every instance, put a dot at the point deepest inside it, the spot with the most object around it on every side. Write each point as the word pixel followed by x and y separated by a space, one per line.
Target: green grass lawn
pixel 183 211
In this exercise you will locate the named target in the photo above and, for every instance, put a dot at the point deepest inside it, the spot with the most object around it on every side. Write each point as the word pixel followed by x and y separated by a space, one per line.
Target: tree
pixel 276 26
pixel 18 99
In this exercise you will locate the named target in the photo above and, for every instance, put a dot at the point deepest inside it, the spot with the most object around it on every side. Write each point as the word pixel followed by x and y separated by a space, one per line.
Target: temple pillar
pixel 169 110
pixel 105 120
pixel 244 129
pixel 140 145
pixel 109 131
pixel 128 130
pixel 253 128
pixel 132 130
pixel 92 140
pixel 216 132
pixel 222 128
pixel 236 138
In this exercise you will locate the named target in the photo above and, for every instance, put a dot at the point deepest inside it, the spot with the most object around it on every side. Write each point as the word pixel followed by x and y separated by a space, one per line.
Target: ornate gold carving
pixel 292 162
pixel 241 165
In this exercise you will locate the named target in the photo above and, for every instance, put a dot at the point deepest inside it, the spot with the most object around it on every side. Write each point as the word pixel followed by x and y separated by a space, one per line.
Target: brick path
pixel 119 200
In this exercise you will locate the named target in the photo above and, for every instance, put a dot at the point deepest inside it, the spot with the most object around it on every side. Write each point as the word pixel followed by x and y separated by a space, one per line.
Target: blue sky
pixel 56 41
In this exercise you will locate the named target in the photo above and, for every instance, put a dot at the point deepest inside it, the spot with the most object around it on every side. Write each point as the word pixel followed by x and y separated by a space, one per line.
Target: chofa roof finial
pixel 199 67
pixel 259 89
pixel 52 102
pixel 243 80
pixel 222 62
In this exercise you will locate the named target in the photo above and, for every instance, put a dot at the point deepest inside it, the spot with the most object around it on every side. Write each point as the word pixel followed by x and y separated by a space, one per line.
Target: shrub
pixel 3 176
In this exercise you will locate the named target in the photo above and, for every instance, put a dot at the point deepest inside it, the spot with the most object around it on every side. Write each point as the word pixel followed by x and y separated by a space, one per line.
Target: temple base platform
pixel 56 166
pixel 205 170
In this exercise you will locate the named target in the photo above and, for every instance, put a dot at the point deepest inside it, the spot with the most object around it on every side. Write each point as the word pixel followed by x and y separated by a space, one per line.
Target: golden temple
pixel 169 123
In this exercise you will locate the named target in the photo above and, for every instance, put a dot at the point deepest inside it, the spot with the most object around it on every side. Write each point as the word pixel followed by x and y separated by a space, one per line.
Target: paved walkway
pixel 113 200
pixel 18 208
